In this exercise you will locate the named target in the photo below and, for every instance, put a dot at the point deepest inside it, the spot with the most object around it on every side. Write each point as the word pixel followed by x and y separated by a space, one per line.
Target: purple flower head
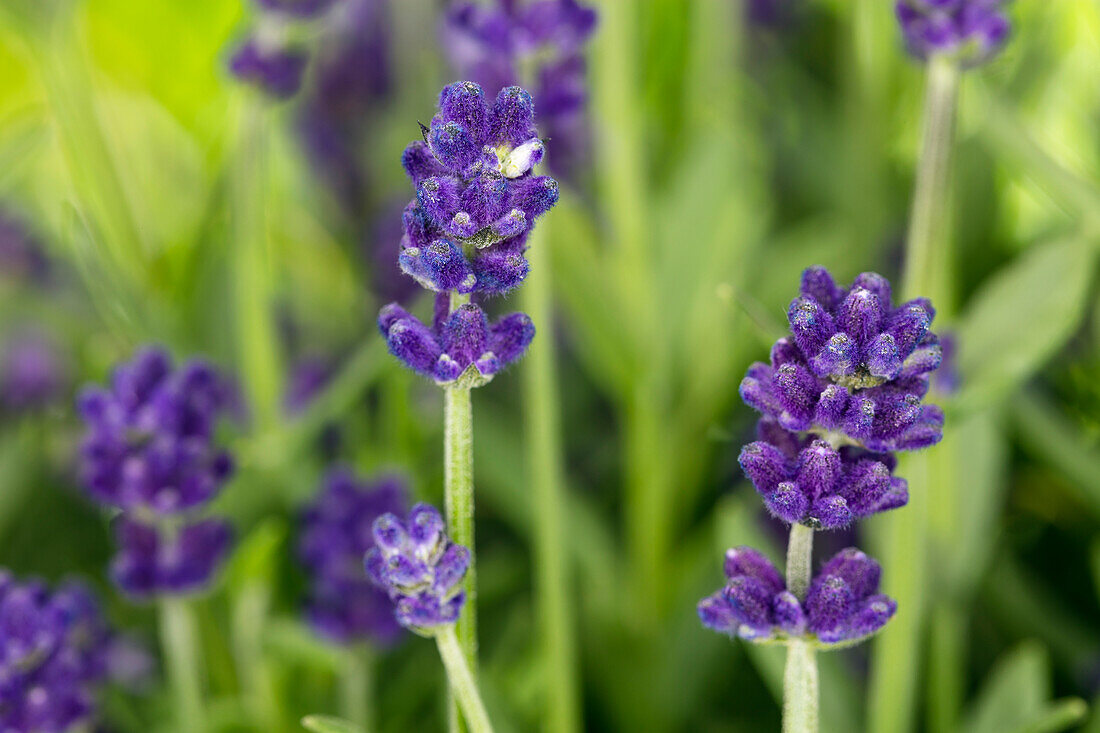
pixel 21 257
pixel 149 444
pixel 490 43
pixel 337 530
pixel 160 559
pixel 459 347
pixel 276 70
pixel 476 195
pixel 809 481
pixel 53 651
pixel 32 373
pixel 971 31
pixel 855 365
pixel 841 608
pixel 420 569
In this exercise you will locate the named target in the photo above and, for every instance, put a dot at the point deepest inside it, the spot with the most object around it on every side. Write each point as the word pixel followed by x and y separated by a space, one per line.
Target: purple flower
pixel 809 481
pixel 490 43
pixel 275 69
pixel 971 31
pixel 31 373
pixel 843 605
pixel 855 365
pixel 420 569
pixel 476 197
pixel 21 257
pixel 459 345
pixel 161 559
pixel 53 652
pixel 149 444
pixel 337 531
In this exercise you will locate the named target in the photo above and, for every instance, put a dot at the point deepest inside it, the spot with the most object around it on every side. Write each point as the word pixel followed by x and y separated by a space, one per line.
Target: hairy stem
pixel 800 675
pixel 463 685
pixel 180 644
pixel 458 499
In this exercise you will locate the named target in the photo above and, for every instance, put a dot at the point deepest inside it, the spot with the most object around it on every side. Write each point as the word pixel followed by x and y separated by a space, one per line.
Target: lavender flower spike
pixel 855 365
pixel 972 31
pixel 843 606
pixel 461 348
pixel 420 569
pixel 476 195
pixel 809 481
pixel 337 531
pixel 160 560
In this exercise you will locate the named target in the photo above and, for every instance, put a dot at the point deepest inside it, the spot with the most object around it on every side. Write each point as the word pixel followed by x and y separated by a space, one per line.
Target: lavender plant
pixel 149 454
pixel 844 390
pixel 422 571
pixel 465 234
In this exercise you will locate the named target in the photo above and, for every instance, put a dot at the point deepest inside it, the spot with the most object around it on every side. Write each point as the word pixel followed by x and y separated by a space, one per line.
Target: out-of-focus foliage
pixel 178 206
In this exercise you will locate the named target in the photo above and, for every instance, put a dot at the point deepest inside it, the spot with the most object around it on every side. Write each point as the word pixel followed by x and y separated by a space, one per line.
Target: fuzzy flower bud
pixel 843 605
pixel 420 569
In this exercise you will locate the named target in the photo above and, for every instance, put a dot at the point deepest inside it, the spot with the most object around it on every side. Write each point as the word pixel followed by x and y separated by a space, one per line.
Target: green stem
pixel 357 687
pixel 800 675
pixel 547 480
pixel 180 642
pixel 458 499
pixel 462 681
pixel 926 256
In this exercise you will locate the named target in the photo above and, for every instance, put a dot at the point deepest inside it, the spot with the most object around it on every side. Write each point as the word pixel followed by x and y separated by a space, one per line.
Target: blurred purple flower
pixel 53 652
pixel 337 531
pixel 461 344
pixel 420 569
pixel 971 31
pixel 489 44
pixel 162 559
pixel 276 70
pixel 21 257
pixel 843 605
pixel 32 372
pixel 296 8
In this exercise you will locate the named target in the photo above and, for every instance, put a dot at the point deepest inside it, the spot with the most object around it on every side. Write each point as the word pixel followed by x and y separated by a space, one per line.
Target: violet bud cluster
pixel 149 451
pixel 494 43
pixel 337 530
pixel 420 569
pixel 970 31
pixel 477 198
pixel 32 372
pixel 843 605
pixel 55 651
pixel 268 57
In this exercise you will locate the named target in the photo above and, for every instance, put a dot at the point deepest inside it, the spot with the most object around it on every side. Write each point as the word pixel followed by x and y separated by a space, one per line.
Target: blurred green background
pixel 178 206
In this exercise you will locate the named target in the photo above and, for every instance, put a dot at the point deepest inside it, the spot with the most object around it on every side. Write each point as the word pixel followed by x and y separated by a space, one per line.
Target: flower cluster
pixel 806 480
pixel 54 651
pixel 466 231
pixel 491 43
pixel 971 31
pixel 337 530
pixel 420 569
pixel 149 451
pixel 268 57
pixel 476 197
pixel 843 605
pixel 459 345
pixel 32 372
pixel 21 257
pixel 855 365
pixel 838 395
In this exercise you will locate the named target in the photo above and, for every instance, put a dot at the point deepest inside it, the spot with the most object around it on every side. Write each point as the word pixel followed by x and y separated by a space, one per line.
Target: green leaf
pixel 1059 715
pixel 257 557
pixel 327 724
pixel 1021 317
pixel 1015 691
